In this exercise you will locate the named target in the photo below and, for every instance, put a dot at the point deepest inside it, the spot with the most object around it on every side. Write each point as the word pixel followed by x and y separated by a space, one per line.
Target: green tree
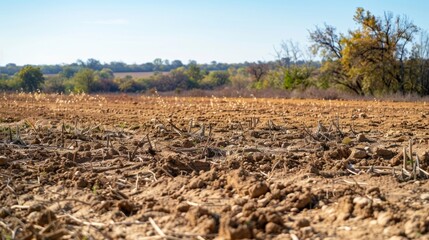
pixel 176 64
pixel 215 79
pixel 292 70
pixel 239 78
pixel 31 78
pixel 68 72
pixel 194 72
pixel 84 80
pixel 93 64
pixel 104 80
pixel 127 84
pixel 158 65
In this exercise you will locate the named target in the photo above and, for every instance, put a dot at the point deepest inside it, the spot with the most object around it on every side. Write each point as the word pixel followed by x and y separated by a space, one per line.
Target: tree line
pixel 157 65
pixel 383 55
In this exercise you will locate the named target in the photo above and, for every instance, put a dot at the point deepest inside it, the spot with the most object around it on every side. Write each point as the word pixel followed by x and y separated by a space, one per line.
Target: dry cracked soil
pixel 150 167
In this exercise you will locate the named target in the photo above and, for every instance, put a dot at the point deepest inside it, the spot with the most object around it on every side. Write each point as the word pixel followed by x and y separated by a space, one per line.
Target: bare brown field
pixel 138 167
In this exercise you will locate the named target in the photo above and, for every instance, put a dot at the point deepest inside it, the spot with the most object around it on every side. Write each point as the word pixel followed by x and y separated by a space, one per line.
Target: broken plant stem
pixel 411 153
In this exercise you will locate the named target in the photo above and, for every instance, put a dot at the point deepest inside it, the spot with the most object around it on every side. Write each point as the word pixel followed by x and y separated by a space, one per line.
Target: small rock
pixel 358 154
pixel 361 201
pixel 338 153
pixel 303 222
pixel 361 138
pixel 384 218
pixel 274 218
pixel 258 189
pixel 384 153
pixel 272 228
pixel 240 201
pixel 303 200
pixel 249 207
pixel 424 196
pixel 183 207
pixel 196 183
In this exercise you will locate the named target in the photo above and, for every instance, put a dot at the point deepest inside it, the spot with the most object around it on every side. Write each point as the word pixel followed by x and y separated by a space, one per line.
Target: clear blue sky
pixel 50 32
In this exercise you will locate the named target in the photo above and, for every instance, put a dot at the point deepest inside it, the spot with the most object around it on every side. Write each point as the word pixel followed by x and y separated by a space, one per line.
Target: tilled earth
pixel 138 167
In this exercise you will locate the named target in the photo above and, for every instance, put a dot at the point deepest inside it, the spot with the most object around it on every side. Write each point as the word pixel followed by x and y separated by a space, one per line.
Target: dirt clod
pixel 3 160
pixel 361 138
pixel 273 228
pixel 183 207
pixel 303 222
pixel 230 229
pixel 258 189
pixel 358 154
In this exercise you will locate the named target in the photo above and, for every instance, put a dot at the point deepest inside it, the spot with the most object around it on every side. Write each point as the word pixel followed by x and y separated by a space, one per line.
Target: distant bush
pixel 215 79
pixel 176 79
pixel 128 84
pixel 54 84
pixel 84 81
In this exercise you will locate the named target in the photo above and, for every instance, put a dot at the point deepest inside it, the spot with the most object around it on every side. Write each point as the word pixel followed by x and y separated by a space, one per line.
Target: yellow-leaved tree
pixel 370 60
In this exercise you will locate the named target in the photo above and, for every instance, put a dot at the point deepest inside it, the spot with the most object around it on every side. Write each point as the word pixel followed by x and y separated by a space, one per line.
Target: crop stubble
pixel 138 167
